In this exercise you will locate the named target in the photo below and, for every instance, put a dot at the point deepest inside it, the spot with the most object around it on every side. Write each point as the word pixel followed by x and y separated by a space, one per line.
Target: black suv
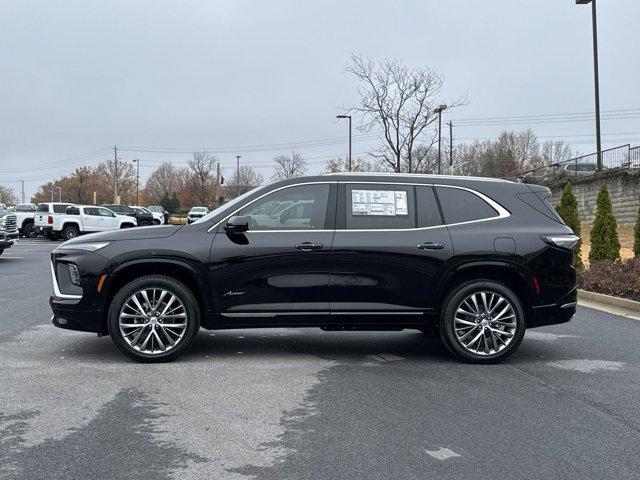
pixel 475 260
pixel 143 219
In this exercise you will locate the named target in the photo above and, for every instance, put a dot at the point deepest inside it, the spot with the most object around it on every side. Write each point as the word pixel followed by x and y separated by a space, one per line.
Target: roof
pixel 421 176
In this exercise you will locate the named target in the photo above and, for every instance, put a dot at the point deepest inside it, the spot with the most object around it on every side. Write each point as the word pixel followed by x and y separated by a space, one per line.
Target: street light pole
pixel 349 163
pixel 59 193
pixel 51 192
pixel 596 75
pixel 137 162
pixel 439 109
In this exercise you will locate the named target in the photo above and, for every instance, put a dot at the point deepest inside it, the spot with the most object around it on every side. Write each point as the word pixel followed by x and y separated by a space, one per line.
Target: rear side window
pixel 379 206
pixel 43 207
pixel 73 211
pixel 428 211
pixel 60 208
pixel 91 211
pixel 460 205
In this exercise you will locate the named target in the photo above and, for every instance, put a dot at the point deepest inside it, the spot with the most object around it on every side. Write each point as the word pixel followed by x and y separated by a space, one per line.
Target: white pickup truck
pixel 45 214
pixel 25 217
pixel 86 219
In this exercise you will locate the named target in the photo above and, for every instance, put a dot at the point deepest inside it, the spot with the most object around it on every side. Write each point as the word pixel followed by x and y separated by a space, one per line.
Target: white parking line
pixel 442 453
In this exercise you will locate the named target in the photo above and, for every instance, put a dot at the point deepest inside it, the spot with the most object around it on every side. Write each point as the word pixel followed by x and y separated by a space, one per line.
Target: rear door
pixel 389 251
pixel 277 272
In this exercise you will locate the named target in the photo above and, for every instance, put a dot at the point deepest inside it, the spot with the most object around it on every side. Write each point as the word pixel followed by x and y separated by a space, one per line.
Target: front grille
pixel 10 223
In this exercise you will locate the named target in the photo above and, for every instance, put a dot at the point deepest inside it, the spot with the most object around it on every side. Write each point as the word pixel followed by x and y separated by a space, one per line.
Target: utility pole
pixel 238 157
pixel 115 176
pixel 22 181
pixel 349 163
pixel 596 75
pixel 451 146
pixel 218 173
pixel 137 162
pixel 439 109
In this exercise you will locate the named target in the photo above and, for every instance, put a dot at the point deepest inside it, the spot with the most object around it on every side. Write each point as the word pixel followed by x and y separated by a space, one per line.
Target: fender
pixel 200 278
pixel 464 266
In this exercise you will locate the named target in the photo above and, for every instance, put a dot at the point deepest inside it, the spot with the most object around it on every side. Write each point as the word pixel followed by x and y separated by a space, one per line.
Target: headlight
pixel 91 247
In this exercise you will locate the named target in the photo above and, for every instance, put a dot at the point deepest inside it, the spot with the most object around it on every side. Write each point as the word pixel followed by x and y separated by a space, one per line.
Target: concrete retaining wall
pixel 623 189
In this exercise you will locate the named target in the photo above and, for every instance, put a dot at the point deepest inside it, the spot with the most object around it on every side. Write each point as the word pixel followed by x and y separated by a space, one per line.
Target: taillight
pixel 562 241
pixel 50 220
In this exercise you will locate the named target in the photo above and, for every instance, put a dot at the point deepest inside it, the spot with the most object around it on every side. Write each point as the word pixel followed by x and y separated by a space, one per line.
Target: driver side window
pixel 302 207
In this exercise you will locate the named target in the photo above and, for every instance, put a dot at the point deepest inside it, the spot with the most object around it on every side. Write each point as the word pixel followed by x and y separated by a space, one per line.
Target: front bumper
pixel 75 318
pixel 4 244
pixel 560 312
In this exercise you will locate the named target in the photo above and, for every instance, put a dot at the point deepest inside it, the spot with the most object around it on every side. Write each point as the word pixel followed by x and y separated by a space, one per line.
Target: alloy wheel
pixel 485 323
pixel 153 321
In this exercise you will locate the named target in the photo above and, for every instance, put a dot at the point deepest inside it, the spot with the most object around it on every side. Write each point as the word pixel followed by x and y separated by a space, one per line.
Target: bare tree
pixel 204 182
pixel 7 196
pixel 122 174
pixel 289 166
pixel 163 182
pixel 336 165
pixel 242 181
pixel 399 102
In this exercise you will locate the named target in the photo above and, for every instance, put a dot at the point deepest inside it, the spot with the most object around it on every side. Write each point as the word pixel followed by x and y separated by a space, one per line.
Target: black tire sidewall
pixel 154 281
pixel 68 229
pixel 451 303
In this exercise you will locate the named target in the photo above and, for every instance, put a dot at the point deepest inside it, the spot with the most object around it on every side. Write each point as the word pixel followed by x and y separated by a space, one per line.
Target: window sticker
pixel 390 203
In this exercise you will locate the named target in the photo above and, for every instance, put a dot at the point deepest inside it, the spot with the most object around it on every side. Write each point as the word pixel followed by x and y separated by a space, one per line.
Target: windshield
pixel 229 205
pixel 198 209
pixel 155 208
pixel 25 208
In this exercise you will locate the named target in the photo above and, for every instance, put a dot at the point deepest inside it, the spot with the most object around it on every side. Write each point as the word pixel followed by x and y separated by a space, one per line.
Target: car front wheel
pixel 482 321
pixel 154 318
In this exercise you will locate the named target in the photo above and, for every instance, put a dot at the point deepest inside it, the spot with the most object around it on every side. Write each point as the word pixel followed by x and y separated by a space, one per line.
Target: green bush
pixel 636 235
pixel 568 210
pixel 604 232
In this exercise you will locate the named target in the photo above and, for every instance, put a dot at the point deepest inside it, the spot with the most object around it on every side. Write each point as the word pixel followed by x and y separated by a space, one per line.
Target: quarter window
pixel 379 206
pixel 428 211
pixel 460 205
pixel 303 207
pixel 60 208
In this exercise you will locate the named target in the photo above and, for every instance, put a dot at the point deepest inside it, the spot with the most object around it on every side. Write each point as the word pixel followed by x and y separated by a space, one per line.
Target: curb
pixel 609 301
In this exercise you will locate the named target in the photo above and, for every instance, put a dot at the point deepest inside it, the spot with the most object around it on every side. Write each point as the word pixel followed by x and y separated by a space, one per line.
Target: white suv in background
pixel 196 213
pixel 87 219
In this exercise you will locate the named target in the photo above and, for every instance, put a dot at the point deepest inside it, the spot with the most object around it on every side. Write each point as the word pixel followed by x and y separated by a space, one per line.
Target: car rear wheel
pixel 482 322
pixel 144 223
pixel 154 319
pixel 29 230
pixel 70 232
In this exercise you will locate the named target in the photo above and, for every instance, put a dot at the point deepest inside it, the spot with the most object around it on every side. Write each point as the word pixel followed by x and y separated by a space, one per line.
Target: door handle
pixel 309 246
pixel 430 246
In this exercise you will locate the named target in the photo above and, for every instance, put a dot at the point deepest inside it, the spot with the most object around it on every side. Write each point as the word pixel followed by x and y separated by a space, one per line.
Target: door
pixel 389 250
pixel 91 219
pixel 278 271
pixel 108 219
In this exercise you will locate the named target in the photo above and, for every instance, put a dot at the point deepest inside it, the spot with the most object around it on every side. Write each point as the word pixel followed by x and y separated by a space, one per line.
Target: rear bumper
pixel 560 312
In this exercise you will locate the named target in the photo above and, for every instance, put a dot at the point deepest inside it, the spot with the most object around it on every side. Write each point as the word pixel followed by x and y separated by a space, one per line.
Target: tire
pixel 126 225
pixel 490 346
pixel 29 230
pixel 134 347
pixel 70 232
pixel 156 222
pixel 1 251
pixel 144 223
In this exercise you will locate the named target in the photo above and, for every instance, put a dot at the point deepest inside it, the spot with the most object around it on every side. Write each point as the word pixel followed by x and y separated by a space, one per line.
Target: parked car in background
pixel 79 219
pixel 196 213
pixel 158 218
pixel 142 218
pixel 478 260
pixel 159 209
pixel 45 213
pixel 580 169
pixel 8 223
pixel 5 242
pixel 25 218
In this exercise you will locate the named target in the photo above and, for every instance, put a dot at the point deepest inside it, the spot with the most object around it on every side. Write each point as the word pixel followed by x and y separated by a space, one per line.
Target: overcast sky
pixel 81 76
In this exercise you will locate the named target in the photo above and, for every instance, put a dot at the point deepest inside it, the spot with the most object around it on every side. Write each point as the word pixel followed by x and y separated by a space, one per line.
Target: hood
pixel 139 233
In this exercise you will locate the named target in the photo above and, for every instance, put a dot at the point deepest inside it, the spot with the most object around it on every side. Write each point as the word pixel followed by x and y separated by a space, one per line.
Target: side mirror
pixel 237 224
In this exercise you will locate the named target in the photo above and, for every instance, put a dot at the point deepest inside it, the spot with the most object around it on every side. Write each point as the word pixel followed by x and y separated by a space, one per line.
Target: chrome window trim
pixel 56 289
pixel 502 212
pixel 319 312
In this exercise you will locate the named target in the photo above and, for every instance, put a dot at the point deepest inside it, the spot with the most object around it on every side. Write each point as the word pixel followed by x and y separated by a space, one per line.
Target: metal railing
pixel 622 157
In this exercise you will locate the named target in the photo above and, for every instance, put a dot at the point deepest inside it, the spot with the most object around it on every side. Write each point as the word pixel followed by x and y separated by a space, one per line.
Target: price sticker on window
pixel 388 203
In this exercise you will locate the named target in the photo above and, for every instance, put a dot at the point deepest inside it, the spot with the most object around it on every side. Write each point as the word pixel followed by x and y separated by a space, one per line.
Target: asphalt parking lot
pixel 303 404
